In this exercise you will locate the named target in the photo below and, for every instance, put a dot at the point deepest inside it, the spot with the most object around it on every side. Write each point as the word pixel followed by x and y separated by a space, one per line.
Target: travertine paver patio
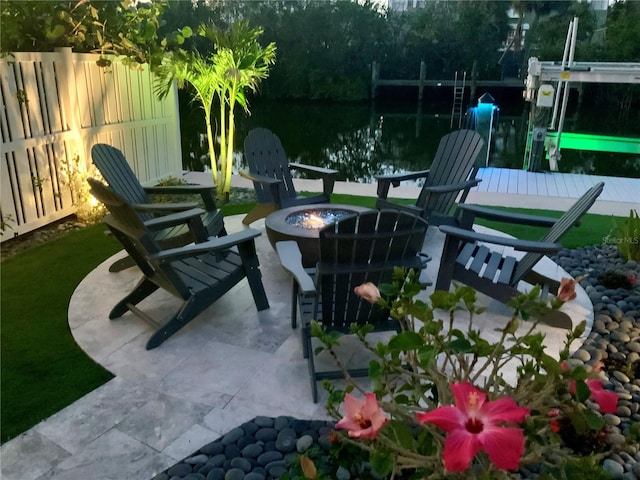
pixel 227 366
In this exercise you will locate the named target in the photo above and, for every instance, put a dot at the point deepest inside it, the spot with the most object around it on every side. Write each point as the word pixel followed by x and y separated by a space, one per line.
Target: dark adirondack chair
pixel 452 172
pixel 198 274
pixel 270 172
pixel 116 171
pixel 467 259
pixel 361 248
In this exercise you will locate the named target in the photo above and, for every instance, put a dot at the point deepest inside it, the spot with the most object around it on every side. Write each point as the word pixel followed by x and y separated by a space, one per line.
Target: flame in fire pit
pixel 316 218
pixel 314 221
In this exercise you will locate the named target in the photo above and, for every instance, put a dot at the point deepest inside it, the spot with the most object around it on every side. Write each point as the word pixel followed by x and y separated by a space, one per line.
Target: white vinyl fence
pixel 55 107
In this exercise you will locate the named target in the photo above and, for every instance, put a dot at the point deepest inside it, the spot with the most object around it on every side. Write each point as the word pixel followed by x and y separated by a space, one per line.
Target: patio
pixel 226 367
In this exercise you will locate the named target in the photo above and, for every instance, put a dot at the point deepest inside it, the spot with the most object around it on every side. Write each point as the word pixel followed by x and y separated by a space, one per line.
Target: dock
pixel 505 187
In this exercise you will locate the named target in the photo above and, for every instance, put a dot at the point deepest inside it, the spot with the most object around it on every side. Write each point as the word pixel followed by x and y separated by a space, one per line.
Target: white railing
pixel 55 107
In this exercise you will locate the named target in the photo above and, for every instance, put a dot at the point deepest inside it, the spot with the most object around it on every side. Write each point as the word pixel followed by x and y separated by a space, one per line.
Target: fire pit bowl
pixel 303 223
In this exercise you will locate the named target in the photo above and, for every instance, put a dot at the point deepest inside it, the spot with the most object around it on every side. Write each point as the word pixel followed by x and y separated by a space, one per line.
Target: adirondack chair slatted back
pixel 266 156
pixel 129 230
pixel 559 229
pixel 452 164
pixel 116 171
pixel 364 248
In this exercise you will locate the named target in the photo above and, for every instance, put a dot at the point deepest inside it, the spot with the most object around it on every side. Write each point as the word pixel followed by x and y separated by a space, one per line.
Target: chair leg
pixel 311 364
pixel 251 266
pixel 294 305
pixel 143 289
pixel 189 310
pixel 305 331
pixel 447 264
pixel 259 211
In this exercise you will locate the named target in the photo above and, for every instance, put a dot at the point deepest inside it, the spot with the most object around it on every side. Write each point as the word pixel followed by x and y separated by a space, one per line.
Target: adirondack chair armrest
pixel 214 244
pixel 163 208
pixel 207 192
pixel 291 260
pixel 312 169
pixel 453 187
pixel 328 175
pixel 521 245
pixel 260 178
pixel 274 184
pixel 174 218
pixel 385 181
pixel 470 212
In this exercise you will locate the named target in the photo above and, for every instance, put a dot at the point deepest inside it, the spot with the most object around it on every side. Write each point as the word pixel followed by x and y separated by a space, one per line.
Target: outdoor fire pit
pixel 302 224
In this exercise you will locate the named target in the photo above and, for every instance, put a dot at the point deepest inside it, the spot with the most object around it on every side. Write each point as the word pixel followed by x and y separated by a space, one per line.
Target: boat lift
pixel 547 101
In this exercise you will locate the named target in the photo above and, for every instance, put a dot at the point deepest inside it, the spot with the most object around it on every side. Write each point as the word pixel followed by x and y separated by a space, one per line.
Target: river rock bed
pixel 614 340
pixel 263 448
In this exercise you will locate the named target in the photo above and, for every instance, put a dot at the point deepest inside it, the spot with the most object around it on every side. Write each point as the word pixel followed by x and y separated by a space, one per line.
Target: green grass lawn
pixel 43 370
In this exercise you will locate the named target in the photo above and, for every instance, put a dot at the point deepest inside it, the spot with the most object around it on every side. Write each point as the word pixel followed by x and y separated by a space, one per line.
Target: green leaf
pixel 421 311
pixel 388 290
pixel 402 434
pixel 375 372
pixel 56 32
pixel 582 390
pixel 425 444
pixel 457 333
pixel 405 341
pixel 382 462
pixel 460 345
pixel 593 420
pixel 186 32
pixel 579 373
pixel 426 355
pixel 443 300
pixel 432 327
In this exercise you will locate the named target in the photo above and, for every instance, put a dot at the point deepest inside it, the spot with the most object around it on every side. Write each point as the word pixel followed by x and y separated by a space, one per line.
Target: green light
pixel 596 143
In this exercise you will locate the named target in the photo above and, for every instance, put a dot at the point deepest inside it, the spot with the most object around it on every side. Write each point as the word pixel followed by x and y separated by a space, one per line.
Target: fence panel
pixel 54 108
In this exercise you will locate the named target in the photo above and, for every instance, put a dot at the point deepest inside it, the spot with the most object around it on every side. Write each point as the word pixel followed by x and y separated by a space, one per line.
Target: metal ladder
pixel 458 98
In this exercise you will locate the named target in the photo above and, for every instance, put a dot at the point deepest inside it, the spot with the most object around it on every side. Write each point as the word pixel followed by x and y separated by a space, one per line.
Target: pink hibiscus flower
pixel 473 425
pixel 606 400
pixel 363 418
pixel 567 290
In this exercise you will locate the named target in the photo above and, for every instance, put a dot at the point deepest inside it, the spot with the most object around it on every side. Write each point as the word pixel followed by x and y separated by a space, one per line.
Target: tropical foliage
pixel 236 66
pixel 325 49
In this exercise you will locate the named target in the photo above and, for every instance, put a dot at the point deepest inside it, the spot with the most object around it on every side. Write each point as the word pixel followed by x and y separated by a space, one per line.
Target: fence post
pixel 69 101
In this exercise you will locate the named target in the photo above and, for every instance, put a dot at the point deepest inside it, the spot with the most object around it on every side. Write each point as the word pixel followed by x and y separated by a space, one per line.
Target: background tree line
pixel 325 49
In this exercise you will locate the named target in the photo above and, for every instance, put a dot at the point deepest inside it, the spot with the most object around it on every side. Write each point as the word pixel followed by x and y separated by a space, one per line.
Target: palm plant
pixel 238 64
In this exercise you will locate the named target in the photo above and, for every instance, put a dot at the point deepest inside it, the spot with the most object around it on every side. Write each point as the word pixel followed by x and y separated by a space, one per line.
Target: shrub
pixel 626 237
pixel 442 405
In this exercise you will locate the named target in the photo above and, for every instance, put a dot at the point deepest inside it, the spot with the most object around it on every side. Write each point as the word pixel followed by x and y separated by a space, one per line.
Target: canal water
pixel 361 141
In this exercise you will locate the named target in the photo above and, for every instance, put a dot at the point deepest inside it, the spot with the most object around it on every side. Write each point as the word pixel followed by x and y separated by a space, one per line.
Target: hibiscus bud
pixel 567 290
pixel 368 291
pixel 308 468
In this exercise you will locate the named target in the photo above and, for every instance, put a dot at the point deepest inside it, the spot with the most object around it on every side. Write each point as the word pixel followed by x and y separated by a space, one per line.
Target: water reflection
pixel 360 141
